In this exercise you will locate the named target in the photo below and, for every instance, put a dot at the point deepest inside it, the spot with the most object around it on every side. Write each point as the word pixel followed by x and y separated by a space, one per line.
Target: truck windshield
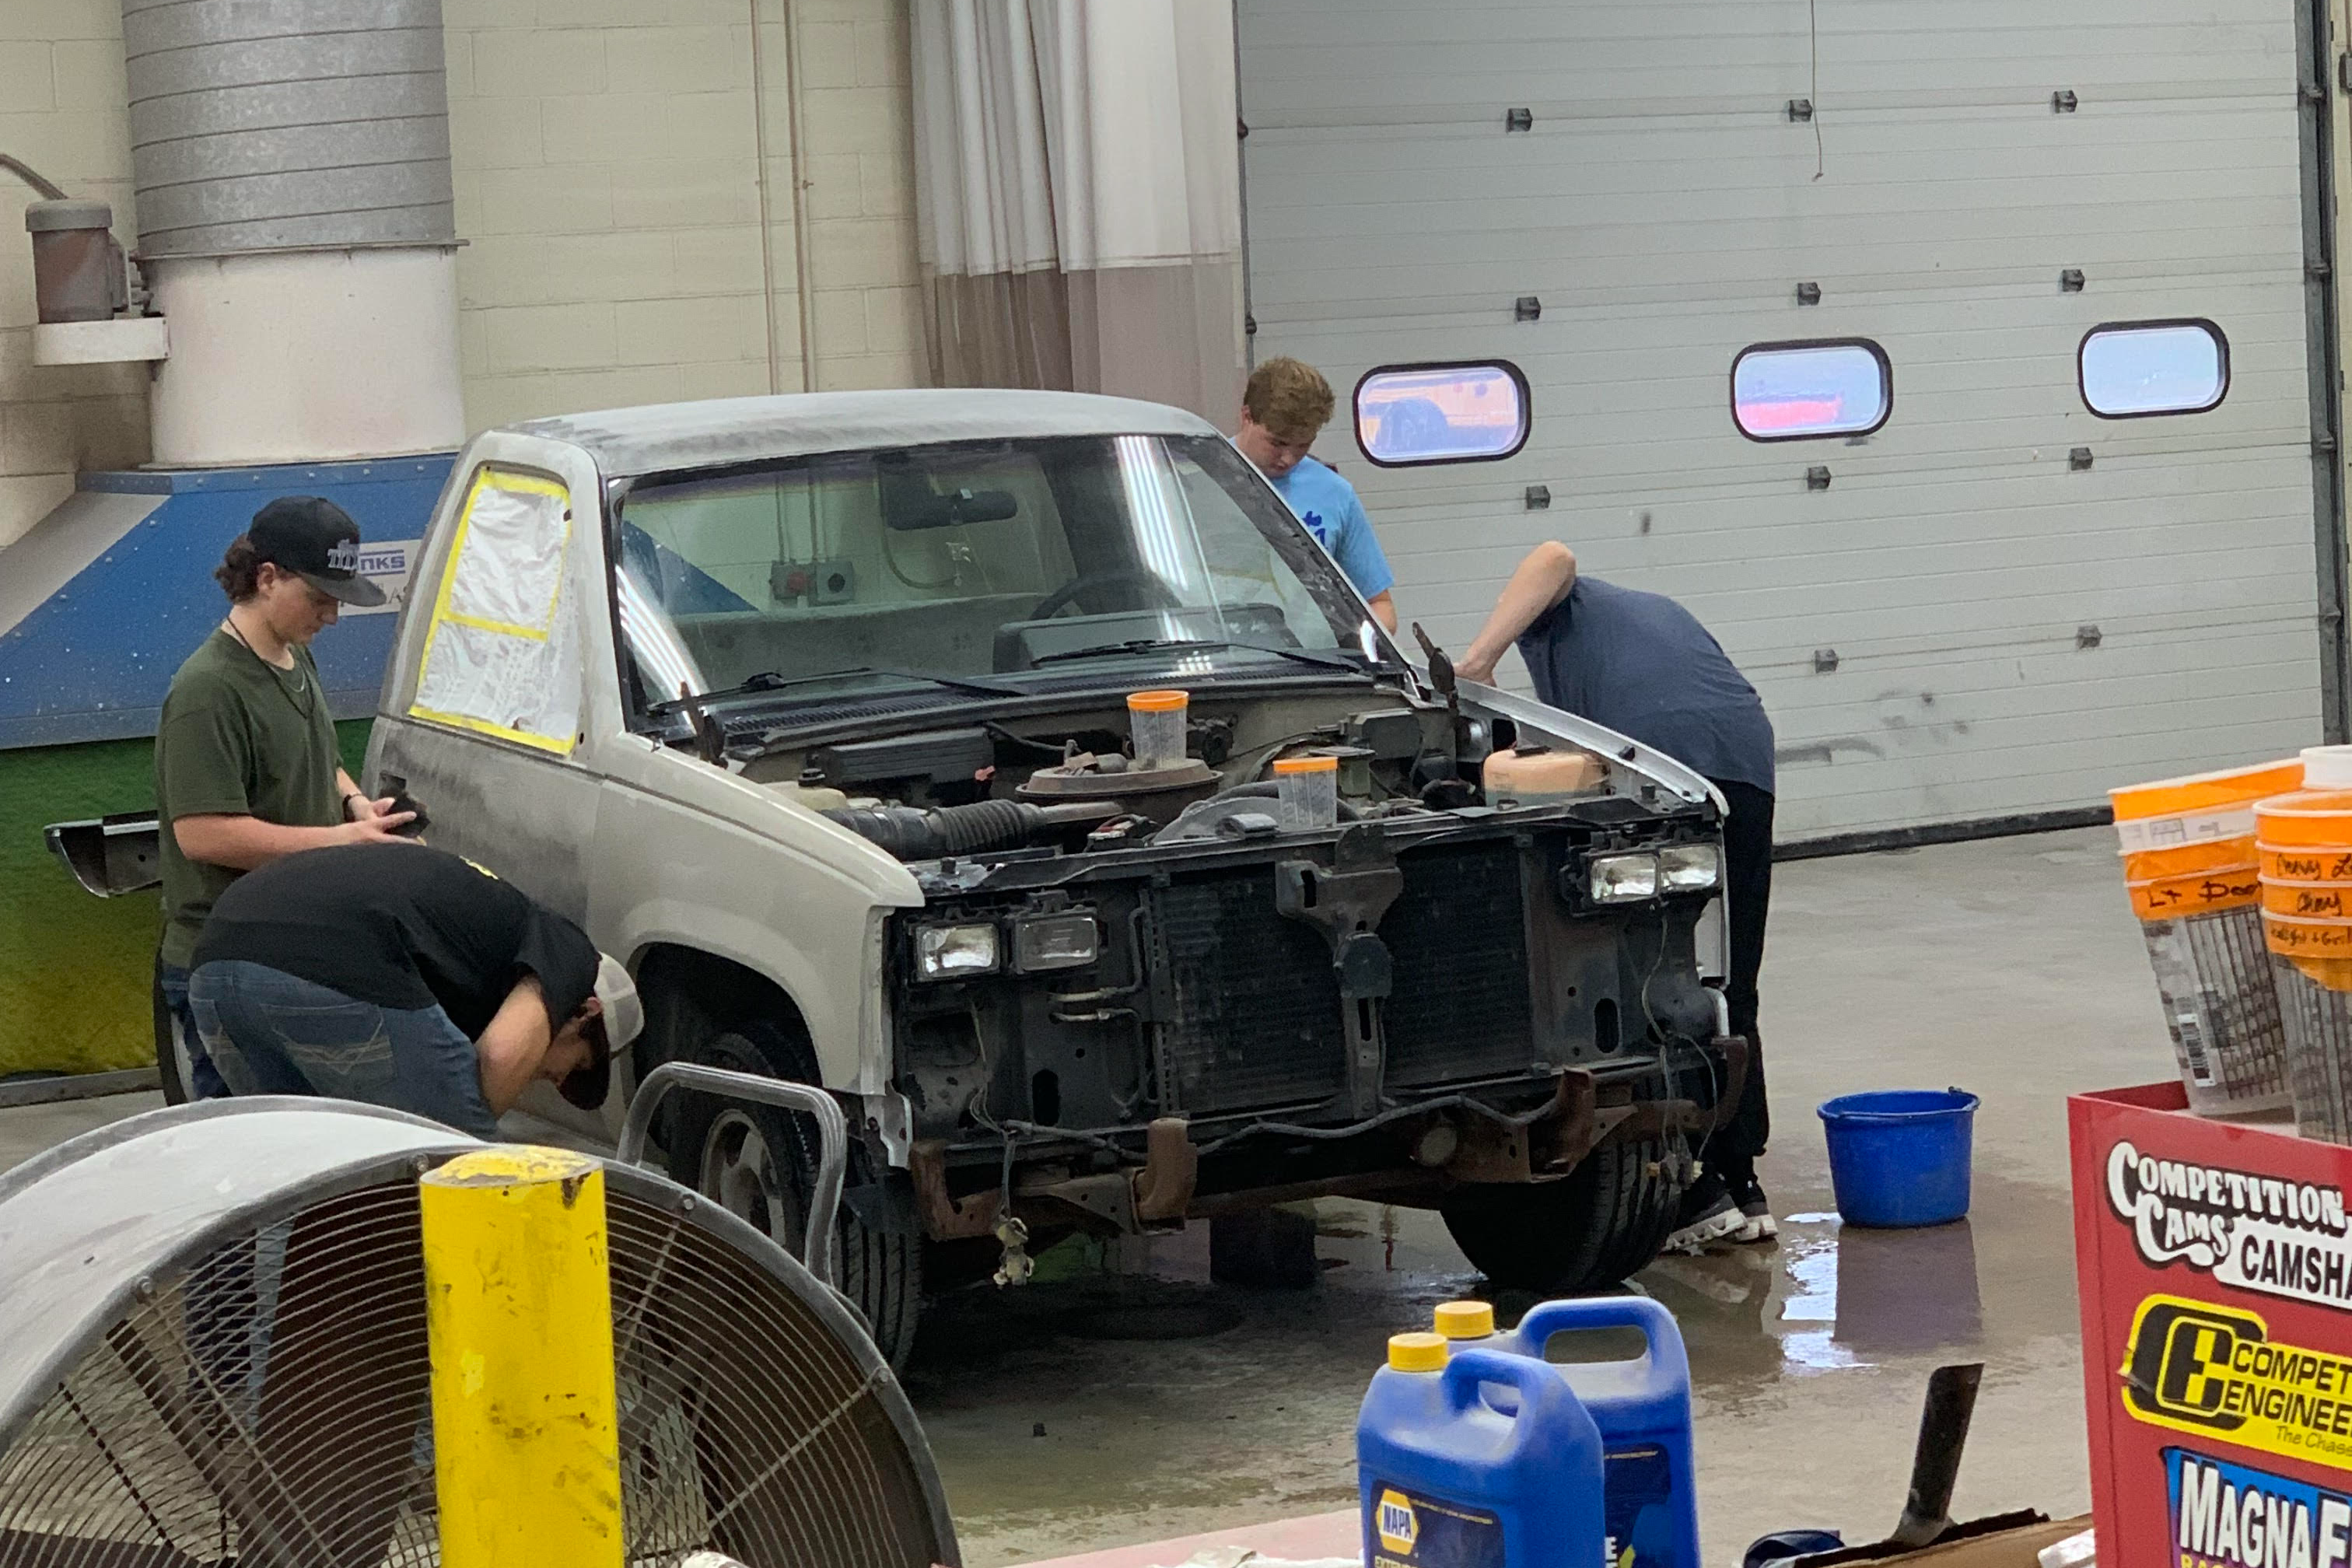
pixel 987 563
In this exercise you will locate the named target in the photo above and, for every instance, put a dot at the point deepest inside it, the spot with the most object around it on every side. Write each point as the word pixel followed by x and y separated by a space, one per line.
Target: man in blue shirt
pixel 1641 665
pixel 1284 408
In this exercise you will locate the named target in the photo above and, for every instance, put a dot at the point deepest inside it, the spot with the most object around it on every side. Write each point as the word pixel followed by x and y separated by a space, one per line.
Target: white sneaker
pixel 1717 1221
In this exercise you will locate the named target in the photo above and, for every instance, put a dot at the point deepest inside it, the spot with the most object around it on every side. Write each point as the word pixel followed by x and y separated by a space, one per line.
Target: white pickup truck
pixel 814 710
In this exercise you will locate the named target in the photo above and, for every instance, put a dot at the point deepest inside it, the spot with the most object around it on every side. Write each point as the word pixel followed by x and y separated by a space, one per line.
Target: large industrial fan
pixel 213 1351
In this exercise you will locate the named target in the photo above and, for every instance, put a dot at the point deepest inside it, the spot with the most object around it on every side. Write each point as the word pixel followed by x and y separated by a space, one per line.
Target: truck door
pixel 483 719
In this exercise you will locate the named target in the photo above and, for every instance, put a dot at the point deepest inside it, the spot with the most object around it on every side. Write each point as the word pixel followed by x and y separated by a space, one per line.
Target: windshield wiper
pixel 769 681
pixel 1183 645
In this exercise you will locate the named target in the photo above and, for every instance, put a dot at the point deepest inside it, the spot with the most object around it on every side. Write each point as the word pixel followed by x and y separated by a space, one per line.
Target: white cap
pixel 2327 767
pixel 624 1014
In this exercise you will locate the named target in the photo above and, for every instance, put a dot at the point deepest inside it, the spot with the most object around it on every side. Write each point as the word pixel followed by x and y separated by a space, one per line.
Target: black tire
pixel 727 1151
pixel 1603 1222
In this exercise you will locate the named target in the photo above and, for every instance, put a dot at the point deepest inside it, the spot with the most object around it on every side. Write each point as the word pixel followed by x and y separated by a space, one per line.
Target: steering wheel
pixel 1054 603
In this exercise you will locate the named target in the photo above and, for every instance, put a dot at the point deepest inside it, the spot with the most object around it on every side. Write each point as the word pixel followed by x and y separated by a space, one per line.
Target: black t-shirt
pixel 401 925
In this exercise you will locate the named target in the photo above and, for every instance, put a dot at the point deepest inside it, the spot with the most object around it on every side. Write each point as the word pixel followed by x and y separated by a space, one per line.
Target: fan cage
pixel 268 1402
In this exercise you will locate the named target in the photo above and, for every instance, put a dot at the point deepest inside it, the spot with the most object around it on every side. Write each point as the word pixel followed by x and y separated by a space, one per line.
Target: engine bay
pixel 1072 783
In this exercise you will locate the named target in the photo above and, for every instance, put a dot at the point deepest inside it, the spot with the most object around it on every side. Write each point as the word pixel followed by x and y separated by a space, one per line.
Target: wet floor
pixel 2010 968
pixel 1121 1398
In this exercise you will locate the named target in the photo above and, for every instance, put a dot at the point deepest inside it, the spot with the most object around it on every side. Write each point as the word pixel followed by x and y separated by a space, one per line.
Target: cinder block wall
pixel 62 110
pixel 607 165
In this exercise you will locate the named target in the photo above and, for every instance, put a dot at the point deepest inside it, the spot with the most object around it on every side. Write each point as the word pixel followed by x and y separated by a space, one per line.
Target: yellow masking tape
pixel 507 479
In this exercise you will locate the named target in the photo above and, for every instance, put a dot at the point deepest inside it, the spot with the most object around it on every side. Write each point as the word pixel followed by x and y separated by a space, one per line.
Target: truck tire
pixel 759 1163
pixel 1589 1231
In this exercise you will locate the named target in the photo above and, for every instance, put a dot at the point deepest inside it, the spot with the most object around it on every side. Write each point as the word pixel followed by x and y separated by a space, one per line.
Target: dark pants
pixel 274 1033
pixel 172 1017
pixel 1748 890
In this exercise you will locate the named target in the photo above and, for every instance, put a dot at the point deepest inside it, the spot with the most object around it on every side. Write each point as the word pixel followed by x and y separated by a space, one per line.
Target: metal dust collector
pixel 215 1352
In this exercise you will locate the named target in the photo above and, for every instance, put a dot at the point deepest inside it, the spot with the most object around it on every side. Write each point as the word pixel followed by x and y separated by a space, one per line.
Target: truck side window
pixel 501 653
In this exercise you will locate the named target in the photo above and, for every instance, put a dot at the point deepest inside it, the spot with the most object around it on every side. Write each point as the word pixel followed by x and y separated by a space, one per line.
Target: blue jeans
pixel 271 1033
pixel 172 1018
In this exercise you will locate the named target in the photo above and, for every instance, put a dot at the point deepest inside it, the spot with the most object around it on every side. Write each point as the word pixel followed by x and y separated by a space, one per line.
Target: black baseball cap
pixel 316 539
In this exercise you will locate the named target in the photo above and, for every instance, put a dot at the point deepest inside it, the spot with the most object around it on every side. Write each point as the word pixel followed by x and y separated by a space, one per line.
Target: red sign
pixel 2215 1262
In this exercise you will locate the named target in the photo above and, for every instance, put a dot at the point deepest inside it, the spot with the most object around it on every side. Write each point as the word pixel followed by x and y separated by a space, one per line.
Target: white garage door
pixel 1967 622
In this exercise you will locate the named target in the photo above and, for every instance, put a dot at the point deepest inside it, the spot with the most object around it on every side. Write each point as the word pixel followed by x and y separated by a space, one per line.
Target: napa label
pixel 2232 1516
pixel 1411 1529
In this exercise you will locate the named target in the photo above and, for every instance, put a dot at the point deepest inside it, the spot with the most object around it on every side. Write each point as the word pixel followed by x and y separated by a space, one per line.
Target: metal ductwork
pixel 270 124
pixel 291 159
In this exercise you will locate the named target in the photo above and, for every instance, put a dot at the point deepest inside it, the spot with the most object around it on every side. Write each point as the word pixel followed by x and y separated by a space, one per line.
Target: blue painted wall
pixel 93 662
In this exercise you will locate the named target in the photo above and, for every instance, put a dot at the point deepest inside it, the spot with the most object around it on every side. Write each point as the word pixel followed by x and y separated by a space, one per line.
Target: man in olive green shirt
pixel 246 767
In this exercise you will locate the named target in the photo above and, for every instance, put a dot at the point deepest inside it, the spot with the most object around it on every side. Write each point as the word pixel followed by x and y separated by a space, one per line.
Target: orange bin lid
pixel 2204 855
pixel 2314 818
pixel 2206 792
pixel 2199 893
pixel 2309 864
pixel 2308 900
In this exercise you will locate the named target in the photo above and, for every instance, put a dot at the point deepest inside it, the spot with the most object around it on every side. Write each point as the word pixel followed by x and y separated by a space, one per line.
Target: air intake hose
pixel 911 833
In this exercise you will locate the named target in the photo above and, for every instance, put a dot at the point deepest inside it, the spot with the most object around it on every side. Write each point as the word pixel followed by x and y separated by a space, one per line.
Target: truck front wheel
pixel 759 1163
pixel 1589 1231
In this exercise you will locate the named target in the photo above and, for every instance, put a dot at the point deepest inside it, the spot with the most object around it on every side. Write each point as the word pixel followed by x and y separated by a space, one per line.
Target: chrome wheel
pixel 743 1175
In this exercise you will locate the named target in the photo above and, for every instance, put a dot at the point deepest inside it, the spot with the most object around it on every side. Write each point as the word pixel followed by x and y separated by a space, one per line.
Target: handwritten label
pixel 2308 865
pixel 2171 897
pixel 2312 941
pixel 2139 835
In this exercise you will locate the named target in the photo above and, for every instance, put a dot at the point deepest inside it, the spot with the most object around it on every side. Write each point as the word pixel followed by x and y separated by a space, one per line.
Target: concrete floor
pixel 2011 968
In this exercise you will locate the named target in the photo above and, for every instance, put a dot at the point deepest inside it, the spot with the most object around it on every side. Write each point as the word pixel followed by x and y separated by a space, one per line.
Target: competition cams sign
pixel 2264 1234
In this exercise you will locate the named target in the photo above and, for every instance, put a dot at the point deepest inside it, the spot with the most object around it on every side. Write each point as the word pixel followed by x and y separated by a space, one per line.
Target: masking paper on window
pixel 510 555
pixel 500 657
pixel 521 688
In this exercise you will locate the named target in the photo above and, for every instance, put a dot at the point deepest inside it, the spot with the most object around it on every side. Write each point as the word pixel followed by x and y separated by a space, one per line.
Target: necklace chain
pixel 303 705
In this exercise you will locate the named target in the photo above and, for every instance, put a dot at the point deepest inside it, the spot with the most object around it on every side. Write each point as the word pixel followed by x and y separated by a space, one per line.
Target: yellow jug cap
pixel 1465 1319
pixel 1417 1353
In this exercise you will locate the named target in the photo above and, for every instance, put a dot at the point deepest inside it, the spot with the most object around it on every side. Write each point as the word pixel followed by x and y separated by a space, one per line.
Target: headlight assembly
pixel 1690 869
pixel 953 952
pixel 1623 879
pixel 1054 942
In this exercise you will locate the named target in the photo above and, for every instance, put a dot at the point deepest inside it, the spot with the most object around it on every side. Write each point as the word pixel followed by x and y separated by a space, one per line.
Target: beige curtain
pixel 1078 192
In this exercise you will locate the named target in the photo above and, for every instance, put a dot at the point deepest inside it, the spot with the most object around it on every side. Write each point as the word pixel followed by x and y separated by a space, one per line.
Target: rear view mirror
pixel 909 503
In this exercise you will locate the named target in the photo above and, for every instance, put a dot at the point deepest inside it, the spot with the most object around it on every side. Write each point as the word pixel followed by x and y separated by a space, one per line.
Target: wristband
pixel 349 796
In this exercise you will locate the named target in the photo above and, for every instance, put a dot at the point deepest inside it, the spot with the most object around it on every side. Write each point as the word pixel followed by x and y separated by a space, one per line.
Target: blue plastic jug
pixel 1450 1481
pixel 1642 1408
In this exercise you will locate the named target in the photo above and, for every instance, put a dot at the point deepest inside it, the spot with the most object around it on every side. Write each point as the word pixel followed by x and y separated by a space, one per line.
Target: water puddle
pixel 1828 1299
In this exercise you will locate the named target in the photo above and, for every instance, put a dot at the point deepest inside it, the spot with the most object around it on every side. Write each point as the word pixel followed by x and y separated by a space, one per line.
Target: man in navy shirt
pixel 1284 408
pixel 1641 665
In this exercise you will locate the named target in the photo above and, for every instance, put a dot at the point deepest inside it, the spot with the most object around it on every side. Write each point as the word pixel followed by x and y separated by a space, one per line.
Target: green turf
pixel 75 969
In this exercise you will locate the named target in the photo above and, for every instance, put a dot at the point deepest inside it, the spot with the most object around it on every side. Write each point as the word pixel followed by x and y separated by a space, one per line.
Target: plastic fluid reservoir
pixel 1642 1408
pixel 1450 1481
pixel 1535 776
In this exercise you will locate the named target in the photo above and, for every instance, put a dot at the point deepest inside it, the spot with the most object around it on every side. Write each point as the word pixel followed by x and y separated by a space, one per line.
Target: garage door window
pixel 1798 391
pixel 2130 370
pixel 1408 415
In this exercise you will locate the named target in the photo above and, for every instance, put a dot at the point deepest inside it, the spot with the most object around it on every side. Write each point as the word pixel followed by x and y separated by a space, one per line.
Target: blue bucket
pixel 1899 1157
